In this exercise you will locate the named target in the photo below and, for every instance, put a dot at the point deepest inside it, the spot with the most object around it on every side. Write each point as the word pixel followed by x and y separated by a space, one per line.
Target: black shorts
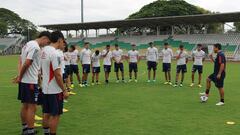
pixel 40 97
pixel 86 68
pixel 166 67
pixel 152 65
pixel 67 70
pixel 198 68
pixel 133 67
pixel 74 69
pixel 107 68
pixel 53 104
pixel 96 70
pixel 118 66
pixel 64 77
pixel 182 68
pixel 28 93
pixel 219 83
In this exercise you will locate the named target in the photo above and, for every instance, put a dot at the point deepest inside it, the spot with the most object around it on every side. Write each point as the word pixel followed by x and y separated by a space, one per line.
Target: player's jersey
pixel 183 57
pixel 31 51
pixel 167 55
pixel 117 55
pixel 61 55
pixel 198 57
pixel 85 56
pixel 50 61
pixel 220 59
pixel 133 56
pixel 108 59
pixel 66 58
pixel 152 54
pixel 96 60
pixel 74 57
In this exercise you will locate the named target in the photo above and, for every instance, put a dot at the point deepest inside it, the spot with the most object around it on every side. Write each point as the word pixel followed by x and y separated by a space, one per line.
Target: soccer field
pixel 134 108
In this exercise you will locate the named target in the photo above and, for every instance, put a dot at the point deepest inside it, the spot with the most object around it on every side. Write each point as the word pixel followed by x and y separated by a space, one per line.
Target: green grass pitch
pixel 134 108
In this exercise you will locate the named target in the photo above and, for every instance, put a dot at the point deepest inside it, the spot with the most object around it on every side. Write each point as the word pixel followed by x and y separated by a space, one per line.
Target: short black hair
pixel 56 35
pixel 151 43
pixel 218 45
pixel 97 52
pixel 107 45
pixel 86 43
pixel 166 43
pixel 181 46
pixel 44 34
pixel 116 45
pixel 66 47
pixel 73 47
pixel 133 45
pixel 199 45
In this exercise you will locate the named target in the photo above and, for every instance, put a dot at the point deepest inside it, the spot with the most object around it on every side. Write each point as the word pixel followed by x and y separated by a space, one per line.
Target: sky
pixel 63 11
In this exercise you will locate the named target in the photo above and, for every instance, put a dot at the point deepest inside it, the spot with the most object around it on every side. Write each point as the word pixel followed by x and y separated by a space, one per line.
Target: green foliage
pixel 15 24
pixel 237 26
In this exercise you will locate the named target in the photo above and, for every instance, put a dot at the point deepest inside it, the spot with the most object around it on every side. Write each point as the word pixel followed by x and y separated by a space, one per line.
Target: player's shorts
pixel 28 93
pixel 107 68
pixel 53 104
pixel 219 83
pixel 74 69
pixel 152 65
pixel 40 97
pixel 166 67
pixel 182 68
pixel 64 77
pixel 67 69
pixel 96 70
pixel 86 68
pixel 198 68
pixel 133 67
pixel 118 66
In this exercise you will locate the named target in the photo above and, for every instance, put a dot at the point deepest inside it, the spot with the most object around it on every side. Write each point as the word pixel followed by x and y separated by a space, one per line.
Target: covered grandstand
pixel 189 40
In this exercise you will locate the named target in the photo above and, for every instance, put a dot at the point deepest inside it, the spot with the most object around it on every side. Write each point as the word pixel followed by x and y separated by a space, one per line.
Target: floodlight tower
pixel 82 15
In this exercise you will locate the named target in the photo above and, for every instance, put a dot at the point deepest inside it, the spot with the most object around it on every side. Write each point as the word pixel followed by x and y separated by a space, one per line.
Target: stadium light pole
pixel 82 15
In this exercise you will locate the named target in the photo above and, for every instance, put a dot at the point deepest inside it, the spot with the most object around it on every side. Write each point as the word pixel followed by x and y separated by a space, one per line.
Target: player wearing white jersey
pixel 167 55
pixel 182 59
pixel 133 58
pixel 85 58
pixel 118 62
pixel 53 87
pixel 107 62
pixel 28 71
pixel 198 58
pixel 152 61
pixel 96 56
pixel 74 59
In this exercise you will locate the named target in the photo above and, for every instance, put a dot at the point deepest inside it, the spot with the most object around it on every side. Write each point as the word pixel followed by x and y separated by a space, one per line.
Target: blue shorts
pixel 133 67
pixel 198 68
pixel 219 83
pixel 53 104
pixel 67 70
pixel 118 66
pixel 182 68
pixel 152 65
pixel 107 68
pixel 64 77
pixel 166 67
pixel 28 93
pixel 96 69
pixel 74 69
pixel 86 68
pixel 40 97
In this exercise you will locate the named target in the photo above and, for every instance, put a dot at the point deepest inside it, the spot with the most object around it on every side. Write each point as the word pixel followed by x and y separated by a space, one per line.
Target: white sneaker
pixel 166 83
pixel 154 80
pixel 199 85
pixel 130 80
pixel 175 85
pixel 219 104
pixel 170 83
pixel 192 84
pixel 117 81
pixel 148 81
pixel 202 94
pixel 136 81
pixel 181 85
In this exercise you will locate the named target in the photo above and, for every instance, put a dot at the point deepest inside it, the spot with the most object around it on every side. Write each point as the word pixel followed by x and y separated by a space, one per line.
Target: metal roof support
pixel 76 33
pixel 66 33
pixel 188 29
pixel 158 30
pixel 172 30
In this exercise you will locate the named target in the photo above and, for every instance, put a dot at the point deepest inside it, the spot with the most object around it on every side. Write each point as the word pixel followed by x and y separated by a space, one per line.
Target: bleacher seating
pixel 5 42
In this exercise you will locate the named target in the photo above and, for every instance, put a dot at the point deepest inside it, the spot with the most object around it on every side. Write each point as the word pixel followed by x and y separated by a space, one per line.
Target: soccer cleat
pixel 117 81
pixel 199 85
pixel 65 110
pixel 37 125
pixel 71 93
pixel 72 86
pixel 192 84
pixel 81 85
pixel 170 83
pixel 98 83
pixel 93 84
pixel 148 81
pixel 220 104
pixel 136 81
pixel 165 83
pixel 154 81
pixel 130 80
pixel 181 85
pixel 175 85
pixel 38 118
pixel 65 101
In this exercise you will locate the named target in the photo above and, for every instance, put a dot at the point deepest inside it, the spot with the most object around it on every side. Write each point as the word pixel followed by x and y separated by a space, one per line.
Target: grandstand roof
pixel 156 21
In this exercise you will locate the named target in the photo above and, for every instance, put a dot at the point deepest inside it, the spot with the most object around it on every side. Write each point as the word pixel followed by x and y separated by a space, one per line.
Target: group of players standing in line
pixel 48 62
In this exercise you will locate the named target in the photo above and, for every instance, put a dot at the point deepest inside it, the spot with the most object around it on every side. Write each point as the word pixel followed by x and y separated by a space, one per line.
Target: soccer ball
pixel 204 98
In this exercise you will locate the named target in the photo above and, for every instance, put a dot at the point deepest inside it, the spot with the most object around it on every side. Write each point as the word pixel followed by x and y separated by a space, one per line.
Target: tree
pixel 3 29
pixel 237 26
